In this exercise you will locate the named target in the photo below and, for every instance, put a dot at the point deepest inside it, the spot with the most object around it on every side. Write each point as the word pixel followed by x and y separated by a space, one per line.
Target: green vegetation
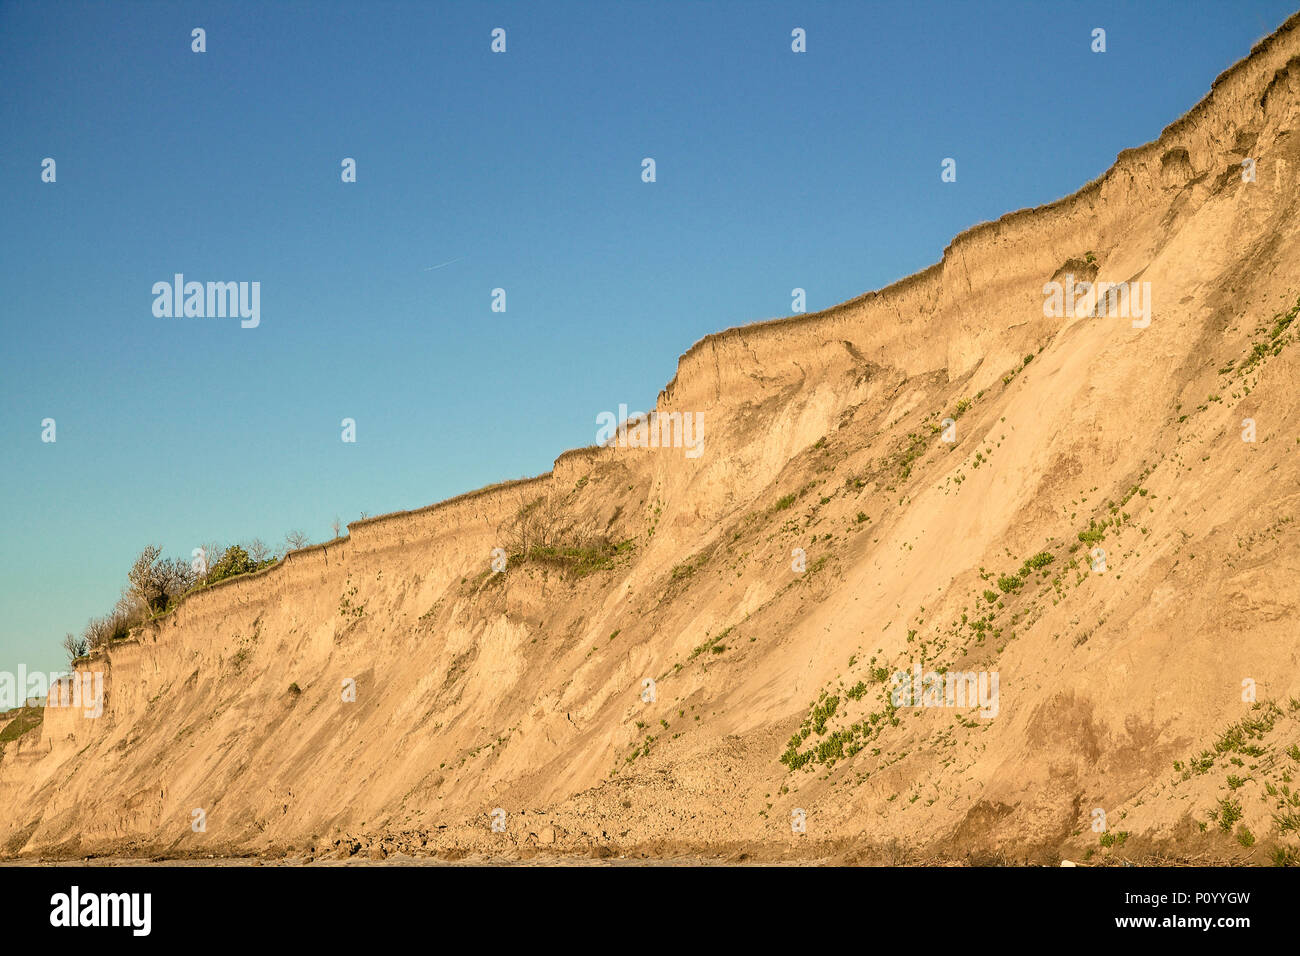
pixel 156 586
pixel 581 560
pixel 917 445
pixel 233 562
pixel 20 720
pixel 346 607
pixel 1201 764
pixel 1041 560
pixel 1273 341
pixel 1285 856
pixel 1228 813
pixel 823 711
pixel 1094 534
pixel 839 744
pixel 713 645
pixel 1009 582
pixel 1236 739
pixel 690 566
pixel 1288 822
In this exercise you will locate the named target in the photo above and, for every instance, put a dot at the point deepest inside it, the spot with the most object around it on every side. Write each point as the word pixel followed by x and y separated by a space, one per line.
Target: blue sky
pixel 519 170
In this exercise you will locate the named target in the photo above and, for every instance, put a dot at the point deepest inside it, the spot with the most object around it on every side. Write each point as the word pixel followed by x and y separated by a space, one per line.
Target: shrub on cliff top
pixel 235 561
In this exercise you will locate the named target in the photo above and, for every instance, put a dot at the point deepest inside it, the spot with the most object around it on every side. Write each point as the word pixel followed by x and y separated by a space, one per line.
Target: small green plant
pixel 1201 764
pixel 823 712
pixel 714 645
pixel 1229 813
pixel 1285 856
pixel 1009 582
pixel 1093 534
pixel 1041 560
pixel 689 567
pixel 346 607
pixel 1287 822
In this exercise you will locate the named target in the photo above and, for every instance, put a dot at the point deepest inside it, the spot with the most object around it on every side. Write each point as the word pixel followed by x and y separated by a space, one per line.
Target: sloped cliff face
pixel 393 691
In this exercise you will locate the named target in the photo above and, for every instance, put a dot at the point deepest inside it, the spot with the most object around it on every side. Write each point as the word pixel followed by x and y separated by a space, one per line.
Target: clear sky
pixel 475 171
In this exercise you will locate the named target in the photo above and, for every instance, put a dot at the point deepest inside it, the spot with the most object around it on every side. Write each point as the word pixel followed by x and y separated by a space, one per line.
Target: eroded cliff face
pixel 1119 690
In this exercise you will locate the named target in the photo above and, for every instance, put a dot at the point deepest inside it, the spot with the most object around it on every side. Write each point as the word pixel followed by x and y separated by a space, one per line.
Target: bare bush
pixel 212 552
pixel 258 550
pixel 295 540
pixel 175 576
pixel 537 524
pixel 75 646
pixel 100 630
pixel 145 580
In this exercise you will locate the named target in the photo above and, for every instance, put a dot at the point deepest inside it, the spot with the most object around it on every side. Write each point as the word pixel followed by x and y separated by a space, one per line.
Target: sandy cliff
pixel 1127 691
